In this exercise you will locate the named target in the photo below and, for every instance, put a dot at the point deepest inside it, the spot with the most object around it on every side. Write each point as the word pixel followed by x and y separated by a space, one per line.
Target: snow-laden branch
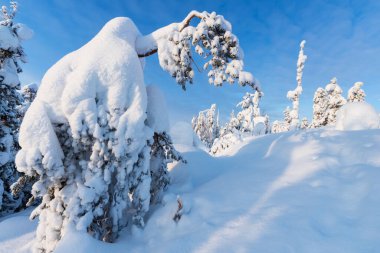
pixel 212 39
pixel 147 45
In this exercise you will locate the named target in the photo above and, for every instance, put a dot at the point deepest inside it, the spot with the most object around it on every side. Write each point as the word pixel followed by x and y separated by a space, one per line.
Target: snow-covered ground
pixel 305 191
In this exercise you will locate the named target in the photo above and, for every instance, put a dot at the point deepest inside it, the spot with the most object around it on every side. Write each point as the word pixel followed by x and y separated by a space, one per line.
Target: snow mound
pixel 357 116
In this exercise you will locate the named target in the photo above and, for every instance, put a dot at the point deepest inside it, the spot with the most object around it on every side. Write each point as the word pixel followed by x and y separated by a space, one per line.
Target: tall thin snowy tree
pixel 88 140
pixel 295 94
pixel 11 54
pixel 355 93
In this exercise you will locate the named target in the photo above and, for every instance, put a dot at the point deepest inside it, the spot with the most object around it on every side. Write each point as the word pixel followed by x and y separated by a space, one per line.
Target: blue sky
pixel 343 40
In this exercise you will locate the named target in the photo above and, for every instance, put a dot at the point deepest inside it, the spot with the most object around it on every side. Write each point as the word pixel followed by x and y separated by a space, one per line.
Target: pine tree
pixel 23 185
pixel 335 100
pixel 320 105
pixel 206 125
pixel 249 111
pixel 355 93
pixel 11 54
pixel 162 152
pixel 89 142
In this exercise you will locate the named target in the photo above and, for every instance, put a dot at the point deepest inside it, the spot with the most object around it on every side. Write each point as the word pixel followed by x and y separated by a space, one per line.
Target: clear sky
pixel 343 40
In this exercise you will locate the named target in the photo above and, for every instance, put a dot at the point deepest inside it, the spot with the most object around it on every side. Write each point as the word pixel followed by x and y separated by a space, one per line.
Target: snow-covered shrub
pixel 206 125
pixel 279 127
pixel 355 93
pixel 357 116
pixel 88 137
pixel 225 142
pixel 230 135
pixel 11 54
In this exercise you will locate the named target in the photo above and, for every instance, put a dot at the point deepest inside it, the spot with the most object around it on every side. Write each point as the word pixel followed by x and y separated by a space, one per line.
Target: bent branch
pixel 147 45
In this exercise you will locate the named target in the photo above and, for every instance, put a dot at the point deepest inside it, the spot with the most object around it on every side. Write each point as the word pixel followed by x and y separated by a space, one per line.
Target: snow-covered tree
pixel 355 93
pixel 229 136
pixel 335 100
pixel 249 111
pixel 206 125
pixel 320 105
pixel 294 95
pixel 87 136
pixel 11 55
pixel 162 150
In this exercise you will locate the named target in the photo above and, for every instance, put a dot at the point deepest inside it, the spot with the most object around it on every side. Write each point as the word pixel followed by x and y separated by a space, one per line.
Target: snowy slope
pixel 307 191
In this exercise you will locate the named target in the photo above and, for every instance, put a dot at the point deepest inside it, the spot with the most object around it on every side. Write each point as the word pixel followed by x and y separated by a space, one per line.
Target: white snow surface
pixel 60 89
pixel 357 116
pixel 307 191
pixel 7 39
pixel 71 89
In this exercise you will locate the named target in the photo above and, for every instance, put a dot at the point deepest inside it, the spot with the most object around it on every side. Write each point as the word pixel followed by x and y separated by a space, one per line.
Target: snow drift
pixel 357 116
pixel 307 191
